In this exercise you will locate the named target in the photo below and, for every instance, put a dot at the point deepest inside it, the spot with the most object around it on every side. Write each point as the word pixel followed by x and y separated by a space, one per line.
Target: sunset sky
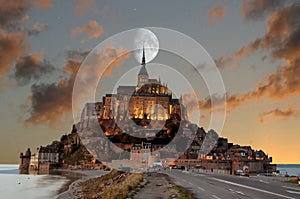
pixel 255 44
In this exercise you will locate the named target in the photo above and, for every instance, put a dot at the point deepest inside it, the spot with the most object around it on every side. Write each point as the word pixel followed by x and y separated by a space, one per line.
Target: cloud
pixel 12 46
pixel 255 9
pixel 279 114
pixel 82 6
pixel 50 103
pixel 31 67
pixel 206 104
pixel 110 57
pixel 43 4
pixel 77 54
pixel 217 12
pixel 12 11
pixel 279 86
pixel 92 29
pixel 232 101
pixel 226 61
pixel 250 48
pixel 37 28
pixel 14 35
pixel 282 40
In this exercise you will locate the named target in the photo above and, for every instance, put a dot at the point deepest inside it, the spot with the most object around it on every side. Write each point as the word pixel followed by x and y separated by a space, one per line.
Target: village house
pixel 44 159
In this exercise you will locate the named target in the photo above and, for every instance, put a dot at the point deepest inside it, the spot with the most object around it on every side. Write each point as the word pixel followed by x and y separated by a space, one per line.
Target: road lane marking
pixel 201 175
pixel 238 192
pixel 253 188
pixel 291 188
pixel 241 193
pixel 216 197
pixel 264 182
pixel 295 192
pixel 201 188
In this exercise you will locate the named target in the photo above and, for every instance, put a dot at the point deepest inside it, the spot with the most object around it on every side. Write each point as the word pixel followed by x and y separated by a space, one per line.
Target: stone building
pixel 149 99
pixel 41 161
pixel 140 152
pixel 25 161
pixel 48 154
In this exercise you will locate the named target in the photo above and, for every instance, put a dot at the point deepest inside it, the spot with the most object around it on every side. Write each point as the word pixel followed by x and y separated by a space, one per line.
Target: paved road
pixel 214 186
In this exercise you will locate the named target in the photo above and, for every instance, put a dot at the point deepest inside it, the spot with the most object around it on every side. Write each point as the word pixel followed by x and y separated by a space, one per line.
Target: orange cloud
pixel 232 101
pixel 50 103
pixel 11 11
pixel 117 61
pixel 16 10
pixel 282 39
pixel 12 46
pixel 279 86
pixel 82 6
pixel 92 29
pixel 279 114
pixel 281 36
pixel 43 4
pixel 250 48
pixel 31 67
pixel 226 61
pixel 254 9
pixel 14 38
pixel 37 28
pixel 217 12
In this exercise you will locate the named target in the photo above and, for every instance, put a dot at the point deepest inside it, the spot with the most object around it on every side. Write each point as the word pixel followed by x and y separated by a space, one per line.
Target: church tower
pixel 143 74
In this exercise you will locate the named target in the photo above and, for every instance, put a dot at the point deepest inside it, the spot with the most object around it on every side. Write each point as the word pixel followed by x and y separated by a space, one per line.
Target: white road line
pixel 291 188
pixel 253 188
pixel 216 197
pixel 295 192
pixel 239 192
pixel 201 188
pixel 264 182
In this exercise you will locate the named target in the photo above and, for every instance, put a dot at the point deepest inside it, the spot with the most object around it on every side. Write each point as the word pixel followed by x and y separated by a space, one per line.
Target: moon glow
pixel 147 39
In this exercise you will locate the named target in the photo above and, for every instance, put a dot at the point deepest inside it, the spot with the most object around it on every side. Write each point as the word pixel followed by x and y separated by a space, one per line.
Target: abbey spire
pixel 143 58
pixel 143 74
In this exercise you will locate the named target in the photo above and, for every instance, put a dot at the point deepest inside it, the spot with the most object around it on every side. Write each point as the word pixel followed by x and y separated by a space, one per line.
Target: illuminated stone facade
pixel 149 99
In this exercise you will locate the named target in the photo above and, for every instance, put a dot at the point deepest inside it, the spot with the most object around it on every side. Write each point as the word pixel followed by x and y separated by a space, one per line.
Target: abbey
pixel 149 99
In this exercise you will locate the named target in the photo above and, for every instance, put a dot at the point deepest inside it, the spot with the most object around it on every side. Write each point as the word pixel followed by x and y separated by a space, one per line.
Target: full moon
pixel 147 39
